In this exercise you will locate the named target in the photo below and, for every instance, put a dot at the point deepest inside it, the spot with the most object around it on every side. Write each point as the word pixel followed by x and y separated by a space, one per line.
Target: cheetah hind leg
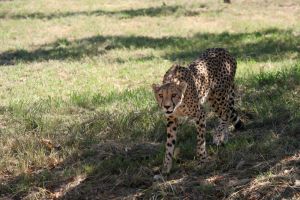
pixel 220 135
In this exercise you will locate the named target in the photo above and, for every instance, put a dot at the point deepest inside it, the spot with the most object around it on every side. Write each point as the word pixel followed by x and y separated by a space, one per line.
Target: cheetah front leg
pixel 170 144
pixel 201 144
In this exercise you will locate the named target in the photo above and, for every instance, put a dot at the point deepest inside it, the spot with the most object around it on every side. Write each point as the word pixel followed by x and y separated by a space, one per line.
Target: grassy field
pixel 78 119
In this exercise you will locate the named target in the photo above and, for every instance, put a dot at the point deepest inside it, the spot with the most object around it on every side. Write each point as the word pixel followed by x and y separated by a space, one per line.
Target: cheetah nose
pixel 167 107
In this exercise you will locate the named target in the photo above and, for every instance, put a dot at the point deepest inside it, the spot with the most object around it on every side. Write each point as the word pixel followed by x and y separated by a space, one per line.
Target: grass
pixel 78 118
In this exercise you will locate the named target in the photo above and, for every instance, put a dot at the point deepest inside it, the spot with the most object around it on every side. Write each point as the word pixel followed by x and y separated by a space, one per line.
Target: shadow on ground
pixel 163 10
pixel 269 44
pixel 260 162
pixel 99 161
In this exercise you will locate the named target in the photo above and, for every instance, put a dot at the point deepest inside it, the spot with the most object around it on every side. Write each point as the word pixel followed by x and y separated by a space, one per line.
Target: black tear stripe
pixel 173 103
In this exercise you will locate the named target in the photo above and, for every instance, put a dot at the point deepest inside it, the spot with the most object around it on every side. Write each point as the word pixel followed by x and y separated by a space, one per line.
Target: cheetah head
pixel 169 96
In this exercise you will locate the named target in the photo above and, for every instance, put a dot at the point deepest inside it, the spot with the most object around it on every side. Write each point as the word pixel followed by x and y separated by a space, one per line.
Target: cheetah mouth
pixel 169 112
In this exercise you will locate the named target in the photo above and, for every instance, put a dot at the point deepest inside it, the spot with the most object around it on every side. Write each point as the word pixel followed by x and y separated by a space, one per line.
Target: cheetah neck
pixel 176 74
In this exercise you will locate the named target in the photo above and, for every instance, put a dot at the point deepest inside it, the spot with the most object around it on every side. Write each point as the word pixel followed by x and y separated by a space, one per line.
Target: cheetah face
pixel 169 96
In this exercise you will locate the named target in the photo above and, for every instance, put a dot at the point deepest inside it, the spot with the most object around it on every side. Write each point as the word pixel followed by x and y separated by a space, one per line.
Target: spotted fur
pixel 185 90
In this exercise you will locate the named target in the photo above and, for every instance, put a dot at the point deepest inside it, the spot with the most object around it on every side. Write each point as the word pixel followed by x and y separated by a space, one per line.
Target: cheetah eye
pixel 160 95
pixel 174 95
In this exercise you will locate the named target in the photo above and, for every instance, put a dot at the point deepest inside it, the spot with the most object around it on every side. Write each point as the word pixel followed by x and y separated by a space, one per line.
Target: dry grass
pixel 78 119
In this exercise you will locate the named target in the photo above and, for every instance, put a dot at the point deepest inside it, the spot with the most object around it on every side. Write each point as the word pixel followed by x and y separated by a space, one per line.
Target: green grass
pixel 79 74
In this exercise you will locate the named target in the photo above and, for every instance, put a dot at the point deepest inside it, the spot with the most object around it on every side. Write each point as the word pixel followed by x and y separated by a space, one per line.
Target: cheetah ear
pixel 155 87
pixel 183 86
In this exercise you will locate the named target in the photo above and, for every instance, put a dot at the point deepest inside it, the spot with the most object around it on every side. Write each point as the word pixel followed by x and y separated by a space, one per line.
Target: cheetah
pixel 185 91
